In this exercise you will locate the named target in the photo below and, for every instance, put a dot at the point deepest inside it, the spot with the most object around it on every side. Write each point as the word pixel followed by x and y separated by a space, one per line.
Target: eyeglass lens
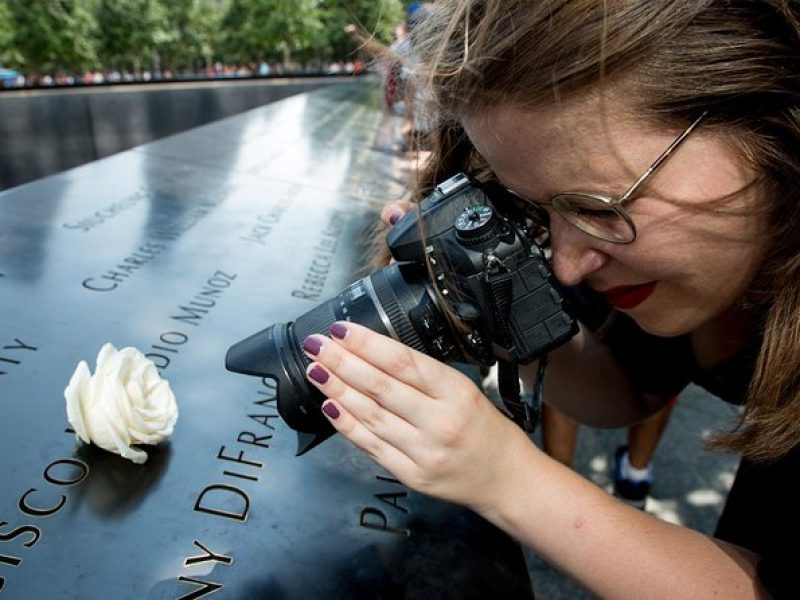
pixel 595 216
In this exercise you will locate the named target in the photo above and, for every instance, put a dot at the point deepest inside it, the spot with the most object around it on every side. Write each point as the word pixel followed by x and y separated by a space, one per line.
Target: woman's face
pixel 689 262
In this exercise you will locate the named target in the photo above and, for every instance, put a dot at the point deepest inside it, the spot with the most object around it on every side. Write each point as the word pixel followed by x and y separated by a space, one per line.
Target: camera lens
pixel 395 301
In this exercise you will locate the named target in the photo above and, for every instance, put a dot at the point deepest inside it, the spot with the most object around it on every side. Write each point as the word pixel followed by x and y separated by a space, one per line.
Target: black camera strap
pixel 508 384
pixel 524 412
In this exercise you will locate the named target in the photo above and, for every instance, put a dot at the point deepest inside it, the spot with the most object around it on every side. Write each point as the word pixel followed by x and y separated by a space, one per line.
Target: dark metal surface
pixel 47 131
pixel 267 208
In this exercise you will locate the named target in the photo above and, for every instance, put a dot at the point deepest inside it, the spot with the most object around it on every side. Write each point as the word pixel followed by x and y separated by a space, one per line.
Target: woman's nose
pixel 574 253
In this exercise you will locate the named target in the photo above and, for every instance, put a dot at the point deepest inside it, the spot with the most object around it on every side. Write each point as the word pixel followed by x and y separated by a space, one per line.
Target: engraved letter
pixel 193 315
pixel 208 587
pixel 21 346
pixel 34 531
pixel 264 419
pixel 90 285
pixel 81 466
pixel 304 295
pixel 393 500
pixel 239 459
pixel 182 338
pixel 209 555
pixel 14 561
pixel 38 512
pixel 163 359
pixel 241 515
pixel 246 437
pixel 372 518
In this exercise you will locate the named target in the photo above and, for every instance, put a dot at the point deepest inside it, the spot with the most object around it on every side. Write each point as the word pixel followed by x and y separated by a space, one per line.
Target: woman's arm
pixel 434 430
pixel 612 549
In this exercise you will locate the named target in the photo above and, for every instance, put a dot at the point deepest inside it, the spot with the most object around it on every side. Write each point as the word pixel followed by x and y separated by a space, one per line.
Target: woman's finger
pixel 367 391
pixel 373 427
pixel 385 454
pixel 394 211
pixel 419 371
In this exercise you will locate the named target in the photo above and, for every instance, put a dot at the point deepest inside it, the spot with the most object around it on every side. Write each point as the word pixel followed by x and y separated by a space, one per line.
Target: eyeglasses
pixel 603 216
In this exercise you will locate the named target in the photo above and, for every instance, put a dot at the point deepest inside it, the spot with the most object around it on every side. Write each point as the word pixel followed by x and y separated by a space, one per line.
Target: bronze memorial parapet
pixel 180 248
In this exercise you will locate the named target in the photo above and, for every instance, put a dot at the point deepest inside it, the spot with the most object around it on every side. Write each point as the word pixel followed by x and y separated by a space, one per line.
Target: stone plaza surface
pixel 181 248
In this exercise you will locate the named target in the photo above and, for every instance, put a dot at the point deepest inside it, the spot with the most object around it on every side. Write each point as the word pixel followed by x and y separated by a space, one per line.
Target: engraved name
pixel 265 222
pixel 191 313
pixel 381 517
pixel 175 227
pixel 242 465
pixel 128 266
pixel 38 503
pixel 322 261
pixel 226 499
pixel 106 213
pixel 122 271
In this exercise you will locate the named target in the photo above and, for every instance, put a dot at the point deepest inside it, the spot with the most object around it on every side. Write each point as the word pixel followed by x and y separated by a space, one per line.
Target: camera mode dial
pixel 475 223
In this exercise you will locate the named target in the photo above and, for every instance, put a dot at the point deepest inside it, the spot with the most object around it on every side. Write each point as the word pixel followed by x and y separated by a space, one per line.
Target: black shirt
pixel 762 512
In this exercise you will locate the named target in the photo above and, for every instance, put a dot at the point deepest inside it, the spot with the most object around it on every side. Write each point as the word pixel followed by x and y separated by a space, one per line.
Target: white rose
pixel 124 403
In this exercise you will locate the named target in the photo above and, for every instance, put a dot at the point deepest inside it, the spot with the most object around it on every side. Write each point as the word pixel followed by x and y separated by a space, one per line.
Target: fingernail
pixel 318 374
pixel 338 330
pixel 395 217
pixel 329 408
pixel 312 345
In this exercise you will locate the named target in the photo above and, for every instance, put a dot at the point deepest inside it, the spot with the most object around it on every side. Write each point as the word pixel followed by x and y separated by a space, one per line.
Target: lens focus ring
pixel 394 311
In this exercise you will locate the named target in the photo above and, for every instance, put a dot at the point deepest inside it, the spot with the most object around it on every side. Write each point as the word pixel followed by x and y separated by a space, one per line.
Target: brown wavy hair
pixel 737 59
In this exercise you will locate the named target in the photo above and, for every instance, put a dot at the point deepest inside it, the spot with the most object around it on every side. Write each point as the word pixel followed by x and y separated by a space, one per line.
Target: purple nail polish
pixel 395 217
pixel 312 345
pixel 318 374
pixel 338 330
pixel 330 409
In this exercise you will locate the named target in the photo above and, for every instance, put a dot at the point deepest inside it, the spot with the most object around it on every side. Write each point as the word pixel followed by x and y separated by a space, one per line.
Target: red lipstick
pixel 629 296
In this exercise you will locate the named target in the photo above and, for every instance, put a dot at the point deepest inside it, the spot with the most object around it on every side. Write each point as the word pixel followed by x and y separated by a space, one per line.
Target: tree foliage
pixel 127 31
pixel 270 30
pixel 53 35
pixel 188 34
pixel 184 35
pixel 5 31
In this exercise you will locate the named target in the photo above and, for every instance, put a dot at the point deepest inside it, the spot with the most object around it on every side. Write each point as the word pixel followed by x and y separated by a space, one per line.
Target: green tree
pixel 127 32
pixel 189 34
pixel 53 35
pixel 8 54
pixel 282 30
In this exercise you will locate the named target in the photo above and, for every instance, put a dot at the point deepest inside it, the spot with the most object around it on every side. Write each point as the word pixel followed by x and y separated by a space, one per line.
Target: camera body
pixel 499 287
pixel 467 285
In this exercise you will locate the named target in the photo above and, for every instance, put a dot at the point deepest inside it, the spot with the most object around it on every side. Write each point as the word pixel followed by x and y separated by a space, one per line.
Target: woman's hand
pixel 421 420
pixel 394 211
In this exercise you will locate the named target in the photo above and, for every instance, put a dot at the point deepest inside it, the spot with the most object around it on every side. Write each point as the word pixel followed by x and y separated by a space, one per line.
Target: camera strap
pixel 525 413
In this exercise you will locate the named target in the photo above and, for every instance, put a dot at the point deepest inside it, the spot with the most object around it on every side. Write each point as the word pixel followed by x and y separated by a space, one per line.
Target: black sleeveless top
pixel 762 512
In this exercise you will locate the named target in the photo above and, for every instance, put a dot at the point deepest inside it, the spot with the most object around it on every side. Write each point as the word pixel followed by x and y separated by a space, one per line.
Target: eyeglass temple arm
pixel 657 163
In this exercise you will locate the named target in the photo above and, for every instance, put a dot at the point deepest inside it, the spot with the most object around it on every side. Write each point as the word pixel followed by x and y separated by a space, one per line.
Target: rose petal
pixel 123 404
pixel 74 393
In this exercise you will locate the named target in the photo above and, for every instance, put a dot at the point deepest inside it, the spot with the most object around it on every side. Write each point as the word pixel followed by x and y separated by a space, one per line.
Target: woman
pixel 662 138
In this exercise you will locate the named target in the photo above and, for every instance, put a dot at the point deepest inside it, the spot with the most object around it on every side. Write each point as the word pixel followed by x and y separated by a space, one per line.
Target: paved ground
pixel 690 482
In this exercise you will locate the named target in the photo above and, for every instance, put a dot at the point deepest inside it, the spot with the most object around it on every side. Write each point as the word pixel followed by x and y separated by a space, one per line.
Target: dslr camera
pixel 468 284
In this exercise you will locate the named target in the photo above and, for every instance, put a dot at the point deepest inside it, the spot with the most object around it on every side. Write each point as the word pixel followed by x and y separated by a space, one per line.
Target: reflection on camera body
pixel 468 285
